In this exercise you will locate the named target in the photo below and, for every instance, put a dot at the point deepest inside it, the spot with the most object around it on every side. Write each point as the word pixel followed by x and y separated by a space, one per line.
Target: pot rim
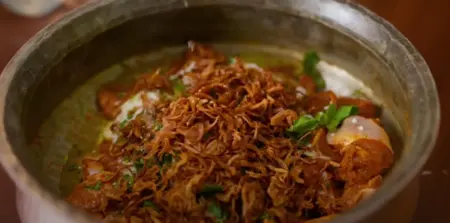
pixel 397 180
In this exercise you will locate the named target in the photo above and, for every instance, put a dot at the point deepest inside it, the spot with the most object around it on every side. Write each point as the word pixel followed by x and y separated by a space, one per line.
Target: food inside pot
pixel 216 139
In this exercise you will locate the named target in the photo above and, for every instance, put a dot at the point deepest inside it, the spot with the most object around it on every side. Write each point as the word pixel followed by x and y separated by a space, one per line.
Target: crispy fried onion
pixel 221 153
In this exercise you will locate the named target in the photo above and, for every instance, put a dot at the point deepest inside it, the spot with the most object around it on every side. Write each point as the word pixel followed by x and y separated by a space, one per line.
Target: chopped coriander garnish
pixel 129 115
pixel 207 135
pixel 123 123
pixel 130 181
pixel 150 204
pixel 303 125
pixel 330 118
pixel 210 190
pixel 139 164
pixel 325 117
pixel 341 114
pixel 304 141
pixel 166 159
pixel 97 186
pixel 232 60
pixel 311 59
pixel 126 159
pixel 321 118
pixel 216 211
pixel 178 87
pixel 157 126
pixel 265 215
pixel 243 170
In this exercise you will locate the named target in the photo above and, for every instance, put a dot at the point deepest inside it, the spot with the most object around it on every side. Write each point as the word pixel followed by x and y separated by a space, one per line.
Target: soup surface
pixel 208 138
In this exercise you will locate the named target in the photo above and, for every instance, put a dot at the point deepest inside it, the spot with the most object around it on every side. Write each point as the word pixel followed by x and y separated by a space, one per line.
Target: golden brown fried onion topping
pixel 220 152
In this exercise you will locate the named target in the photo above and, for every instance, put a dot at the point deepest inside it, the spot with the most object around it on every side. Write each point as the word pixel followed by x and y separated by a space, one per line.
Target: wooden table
pixel 425 22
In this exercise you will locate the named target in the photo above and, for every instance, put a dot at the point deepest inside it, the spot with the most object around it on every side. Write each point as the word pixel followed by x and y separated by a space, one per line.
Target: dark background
pixel 425 22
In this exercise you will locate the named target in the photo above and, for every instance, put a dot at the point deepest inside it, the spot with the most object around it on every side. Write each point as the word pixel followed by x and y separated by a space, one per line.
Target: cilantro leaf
pixel 130 181
pixel 341 114
pixel 130 115
pixel 232 60
pixel 216 211
pixel 157 126
pixel 307 123
pixel 123 123
pixel 97 186
pixel 265 215
pixel 139 164
pixel 325 117
pixel 210 190
pixel 303 125
pixel 331 118
pixel 305 141
pixel 207 135
pixel 311 59
pixel 178 87
pixel 166 159
pixel 126 159
pixel 149 203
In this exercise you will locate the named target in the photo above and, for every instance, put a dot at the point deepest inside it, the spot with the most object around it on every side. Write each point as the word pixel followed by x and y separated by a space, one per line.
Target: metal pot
pixel 64 55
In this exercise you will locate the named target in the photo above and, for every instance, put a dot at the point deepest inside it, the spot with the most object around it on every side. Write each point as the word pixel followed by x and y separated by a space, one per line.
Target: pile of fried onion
pixel 220 151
